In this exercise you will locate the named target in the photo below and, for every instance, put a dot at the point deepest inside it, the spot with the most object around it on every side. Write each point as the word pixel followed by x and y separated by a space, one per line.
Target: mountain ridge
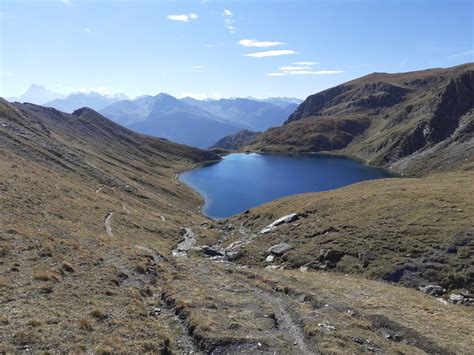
pixel 165 116
pixel 399 121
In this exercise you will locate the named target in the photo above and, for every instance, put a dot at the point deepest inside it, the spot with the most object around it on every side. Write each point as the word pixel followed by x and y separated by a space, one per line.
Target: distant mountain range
pixel 37 94
pixel 92 100
pixel 165 116
pixel 199 123
pixel 256 115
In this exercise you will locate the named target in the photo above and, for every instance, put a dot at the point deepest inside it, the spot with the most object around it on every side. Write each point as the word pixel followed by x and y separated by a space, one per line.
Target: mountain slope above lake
pixel 411 122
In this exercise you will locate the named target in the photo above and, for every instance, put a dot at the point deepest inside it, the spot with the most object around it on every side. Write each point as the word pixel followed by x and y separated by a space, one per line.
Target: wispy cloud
pixel 66 2
pixel 291 68
pixel 6 74
pixel 88 31
pixel 199 67
pixel 231 28
pixel 229 20
pixel 260 44
pixel 273 53
pixel 302 68
pixel 214 45
pixel 461 54
pixel 306 72
pixel 305 63
pixel 183 17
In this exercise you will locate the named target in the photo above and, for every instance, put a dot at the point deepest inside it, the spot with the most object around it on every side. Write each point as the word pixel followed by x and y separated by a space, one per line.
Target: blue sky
pixel 201 48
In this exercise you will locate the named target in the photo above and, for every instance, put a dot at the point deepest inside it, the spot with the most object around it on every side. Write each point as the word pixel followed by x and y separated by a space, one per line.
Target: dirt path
pixel 288 328
pixel 189 239
pixel 108 225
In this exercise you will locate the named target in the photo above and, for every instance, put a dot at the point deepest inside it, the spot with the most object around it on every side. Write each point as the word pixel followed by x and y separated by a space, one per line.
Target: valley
pixel 103 250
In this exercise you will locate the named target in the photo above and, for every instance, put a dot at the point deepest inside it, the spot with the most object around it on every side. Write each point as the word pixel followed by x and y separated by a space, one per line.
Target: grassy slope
pixel 394 229
pixel 76 282
pixel 66 285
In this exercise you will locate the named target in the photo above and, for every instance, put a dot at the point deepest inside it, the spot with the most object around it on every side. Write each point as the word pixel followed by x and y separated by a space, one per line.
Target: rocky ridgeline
pixel 412 122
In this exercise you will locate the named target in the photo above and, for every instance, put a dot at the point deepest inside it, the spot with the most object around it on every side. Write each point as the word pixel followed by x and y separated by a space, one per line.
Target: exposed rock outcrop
pixel 410 122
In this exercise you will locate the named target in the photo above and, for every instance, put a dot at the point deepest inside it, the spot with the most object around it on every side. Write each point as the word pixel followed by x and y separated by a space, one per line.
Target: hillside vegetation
pixel 413 122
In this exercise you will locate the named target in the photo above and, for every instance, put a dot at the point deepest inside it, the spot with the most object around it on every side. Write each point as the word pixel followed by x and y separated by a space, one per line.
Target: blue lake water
pixel 243 181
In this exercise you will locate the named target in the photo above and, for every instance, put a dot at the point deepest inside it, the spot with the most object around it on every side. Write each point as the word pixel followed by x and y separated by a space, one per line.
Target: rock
pixel 279 249
pixel 433 290
pixel 234 254
pixel 272 267
pixel 326 326
pixel 303 268
pixel 328 258
pixel 456 298
pixel 270 258
pixel 210 251
pixel 285 219
pixel 442 300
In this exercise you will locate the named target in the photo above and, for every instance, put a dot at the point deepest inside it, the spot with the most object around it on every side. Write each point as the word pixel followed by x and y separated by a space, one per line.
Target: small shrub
pixel 34 323
pixel 67 267
pixel 99 315
pixel 84 324
pixel 23 338
pixel 46 275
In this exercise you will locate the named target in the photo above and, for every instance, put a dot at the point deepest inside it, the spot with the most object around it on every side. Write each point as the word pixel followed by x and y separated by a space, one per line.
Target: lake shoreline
pixel 346 170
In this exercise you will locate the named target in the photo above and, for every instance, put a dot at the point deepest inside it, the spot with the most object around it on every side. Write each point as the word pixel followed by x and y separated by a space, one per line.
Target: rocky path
pixel 287 326
pixel 286 335
pixel 189 239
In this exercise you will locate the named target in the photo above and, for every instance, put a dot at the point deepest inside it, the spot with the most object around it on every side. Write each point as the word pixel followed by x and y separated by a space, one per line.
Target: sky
pixel 216 49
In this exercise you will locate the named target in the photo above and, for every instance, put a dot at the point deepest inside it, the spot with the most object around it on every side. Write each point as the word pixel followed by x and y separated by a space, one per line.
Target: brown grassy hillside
pixel 413 122
pixel 91 213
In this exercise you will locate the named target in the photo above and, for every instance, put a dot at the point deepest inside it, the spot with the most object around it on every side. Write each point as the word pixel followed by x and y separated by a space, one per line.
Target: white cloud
pixel 88 30
pixel 183 18
pixel 229 21
pixel 290 68
pixel 214 45
pixel 231 28
pixel 306 72
pixel 270 53
pixel 67 2
pixel 6 74
pixel 302 68
pixel 199 67
pixel 305 63
pixel 255 43
pixel 461 54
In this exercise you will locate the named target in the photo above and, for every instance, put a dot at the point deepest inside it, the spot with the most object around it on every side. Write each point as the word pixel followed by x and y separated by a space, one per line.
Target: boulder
pixel 210 251
pixel 285 219
pixel 270 258
pixel 279 249
pixel 456 298
pixel 433 290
